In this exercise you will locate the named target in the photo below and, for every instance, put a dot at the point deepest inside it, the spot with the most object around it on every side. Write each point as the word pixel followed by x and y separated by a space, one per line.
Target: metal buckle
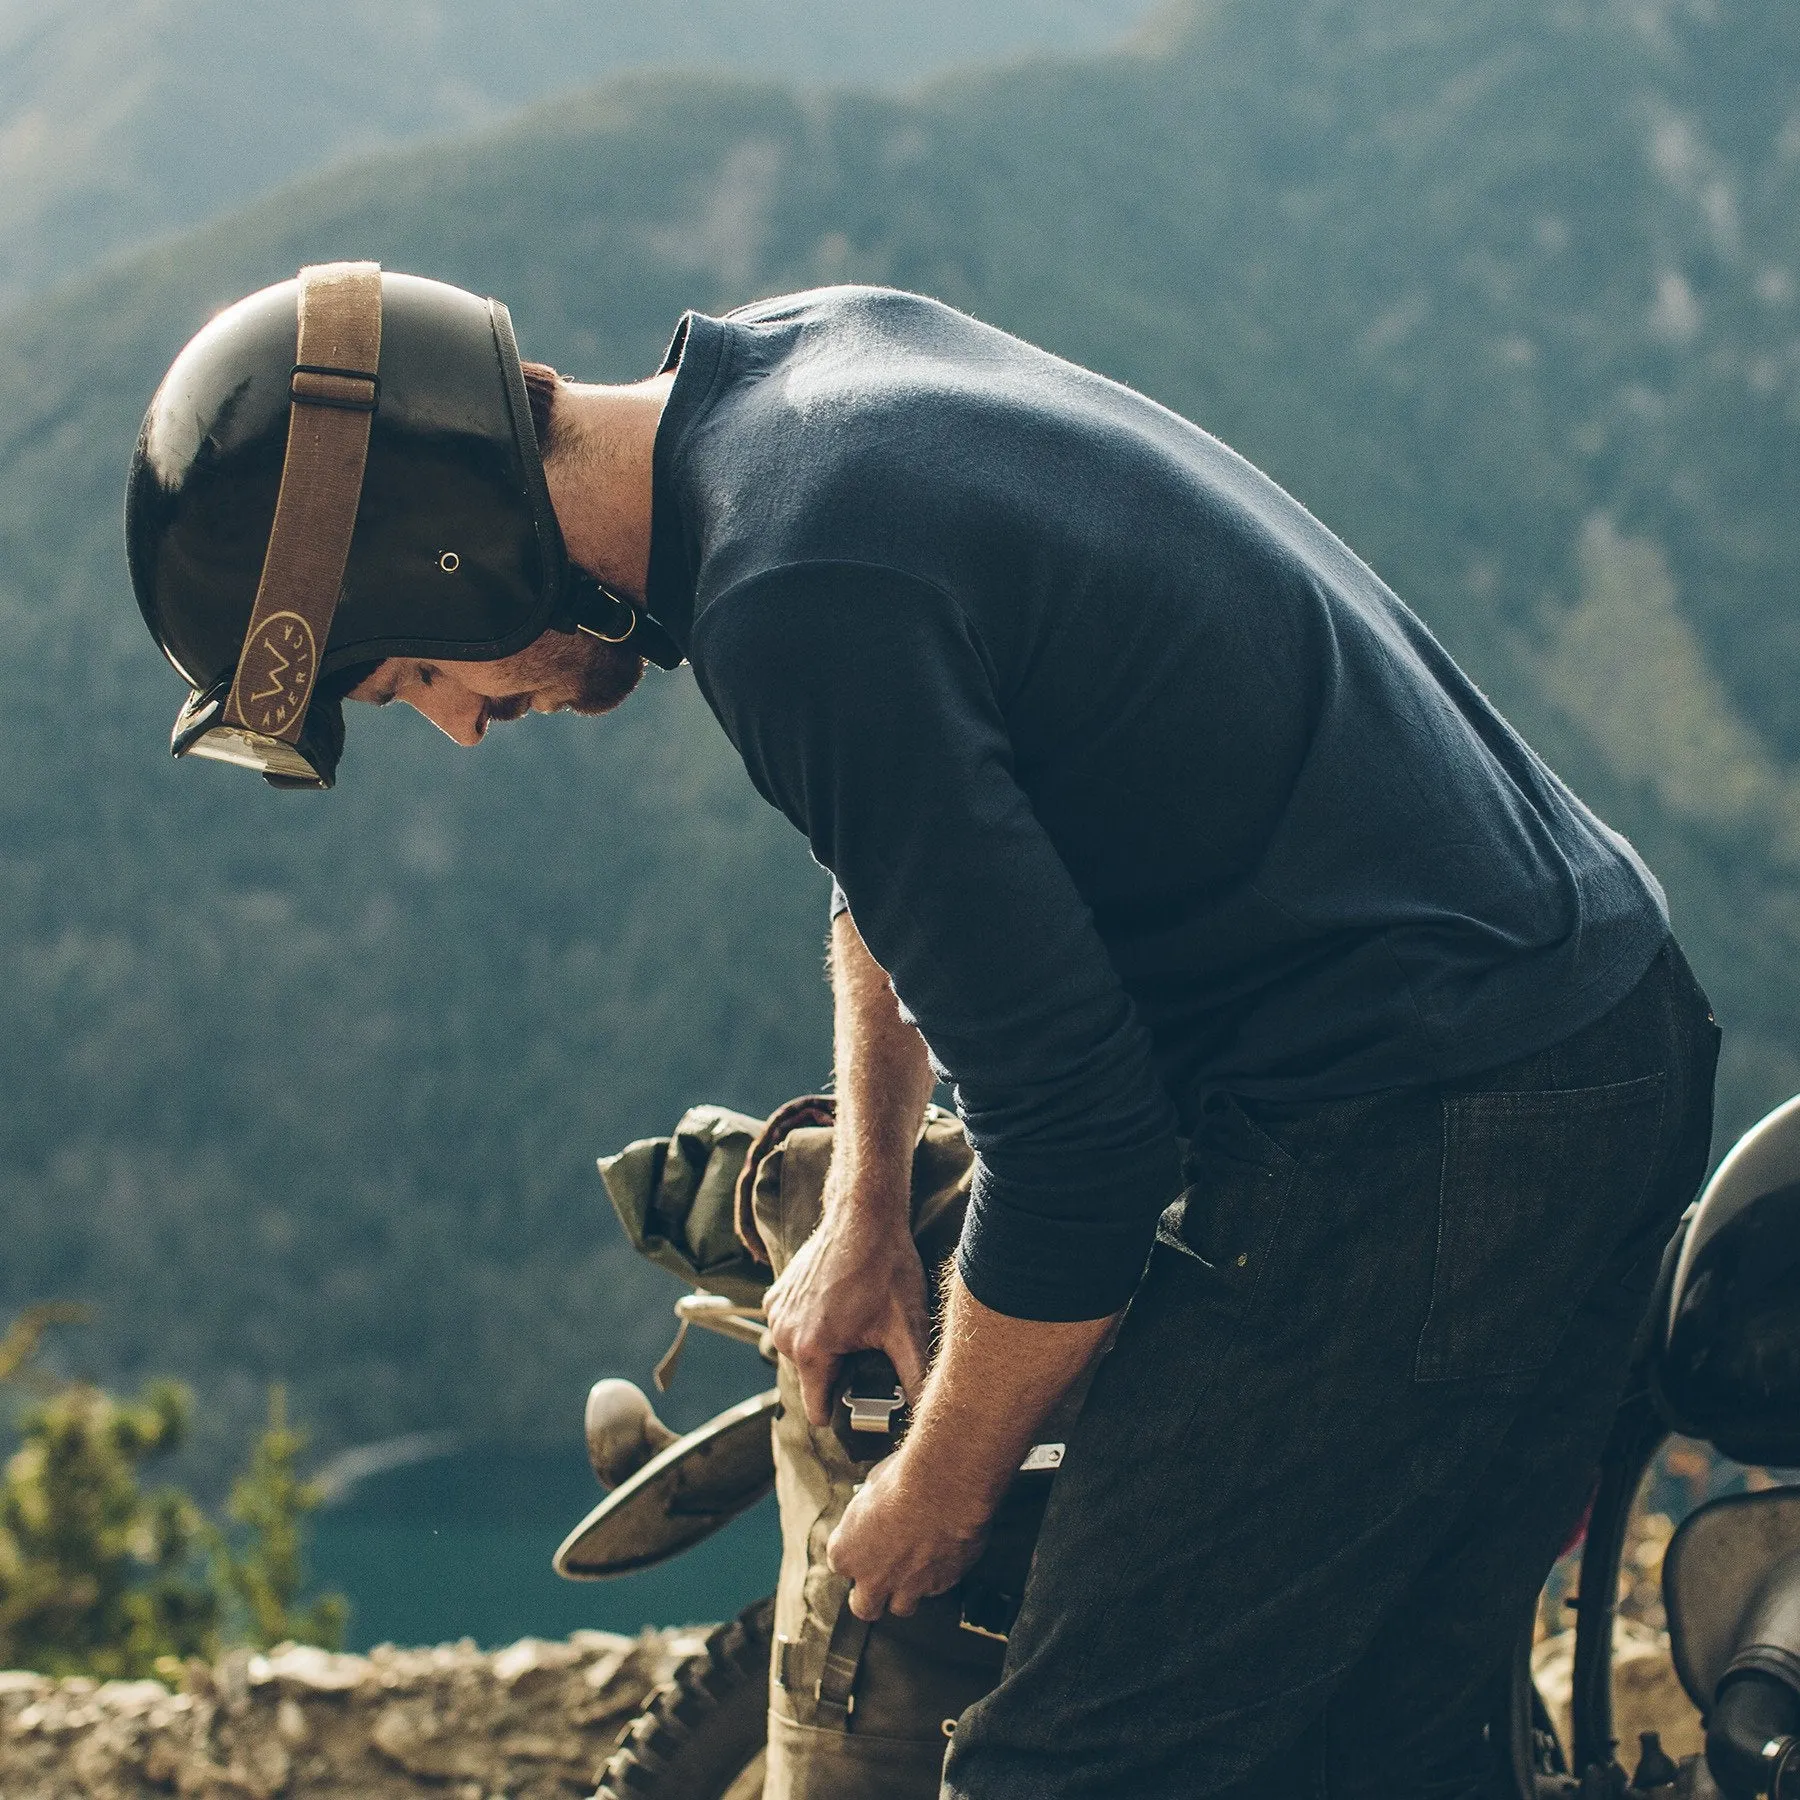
pixel 251 750
pixel 874 1412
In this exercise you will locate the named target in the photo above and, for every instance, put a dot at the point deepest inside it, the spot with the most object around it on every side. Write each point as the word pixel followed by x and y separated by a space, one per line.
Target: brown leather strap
pixel 834 1699
pixel 333 392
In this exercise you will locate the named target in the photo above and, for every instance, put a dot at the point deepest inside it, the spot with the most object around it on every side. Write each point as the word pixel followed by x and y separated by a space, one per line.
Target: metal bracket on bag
pixel 873 1412
pixel 993 1589
pixel 869 1414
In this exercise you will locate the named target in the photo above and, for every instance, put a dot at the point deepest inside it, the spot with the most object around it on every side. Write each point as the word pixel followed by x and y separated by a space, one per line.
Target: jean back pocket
pixel 1535 1192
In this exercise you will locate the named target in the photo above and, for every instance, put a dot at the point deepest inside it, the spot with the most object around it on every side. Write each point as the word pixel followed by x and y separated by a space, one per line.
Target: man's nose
pixel 452 709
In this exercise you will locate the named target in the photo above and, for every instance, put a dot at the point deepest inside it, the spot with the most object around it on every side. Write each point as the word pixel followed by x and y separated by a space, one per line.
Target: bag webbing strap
pixel 835 1696
pixel 333 391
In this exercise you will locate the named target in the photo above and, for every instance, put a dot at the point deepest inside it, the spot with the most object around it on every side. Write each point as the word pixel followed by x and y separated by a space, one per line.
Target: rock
pixel 533 1722
pixel 267 1765
pixel 231 1678
pixel 529 1656
pixel 130 1699
pixel 305 1667
pixel 414 1740
pixel 162 1762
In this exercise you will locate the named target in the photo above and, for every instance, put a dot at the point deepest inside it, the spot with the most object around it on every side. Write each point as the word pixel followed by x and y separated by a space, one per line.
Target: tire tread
pixel 699 1729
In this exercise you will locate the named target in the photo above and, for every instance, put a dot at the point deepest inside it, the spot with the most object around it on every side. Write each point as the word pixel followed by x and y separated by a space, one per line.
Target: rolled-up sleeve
pixel 865 709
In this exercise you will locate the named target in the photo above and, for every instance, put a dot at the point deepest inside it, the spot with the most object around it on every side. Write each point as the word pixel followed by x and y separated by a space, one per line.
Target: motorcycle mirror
pixel 684 1493
pixel 1712 1570
pixel 1726 1357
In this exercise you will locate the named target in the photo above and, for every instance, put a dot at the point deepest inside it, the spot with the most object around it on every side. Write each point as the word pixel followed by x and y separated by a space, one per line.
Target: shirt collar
pixel 695 353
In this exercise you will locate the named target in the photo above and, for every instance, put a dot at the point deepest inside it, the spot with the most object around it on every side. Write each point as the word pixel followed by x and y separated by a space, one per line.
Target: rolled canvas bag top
pixel 676 1198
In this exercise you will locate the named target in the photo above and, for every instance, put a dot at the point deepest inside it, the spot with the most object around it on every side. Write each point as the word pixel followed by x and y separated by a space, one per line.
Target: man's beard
pixel 606 675
pixel 587 674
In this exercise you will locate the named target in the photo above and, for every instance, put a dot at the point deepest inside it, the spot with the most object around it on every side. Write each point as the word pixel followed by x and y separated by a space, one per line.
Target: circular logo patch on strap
pixel 275 674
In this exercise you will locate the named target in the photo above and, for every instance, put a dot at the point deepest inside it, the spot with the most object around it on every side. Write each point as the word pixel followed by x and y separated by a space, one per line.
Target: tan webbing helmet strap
pixel 333 392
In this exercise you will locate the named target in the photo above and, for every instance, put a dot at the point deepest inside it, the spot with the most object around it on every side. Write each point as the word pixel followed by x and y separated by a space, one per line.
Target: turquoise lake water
pixel 460 1546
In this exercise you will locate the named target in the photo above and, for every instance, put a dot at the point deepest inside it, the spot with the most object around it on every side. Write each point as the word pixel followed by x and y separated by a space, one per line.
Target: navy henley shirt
pixel 1137 782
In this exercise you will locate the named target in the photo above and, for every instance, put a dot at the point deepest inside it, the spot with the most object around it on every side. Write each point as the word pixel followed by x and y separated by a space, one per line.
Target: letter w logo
pixel 277 670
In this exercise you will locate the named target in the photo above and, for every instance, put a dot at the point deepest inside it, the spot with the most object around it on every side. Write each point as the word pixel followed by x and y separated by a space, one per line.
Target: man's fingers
pixel 905 1346
pixel 864 1601
pixel 818 1375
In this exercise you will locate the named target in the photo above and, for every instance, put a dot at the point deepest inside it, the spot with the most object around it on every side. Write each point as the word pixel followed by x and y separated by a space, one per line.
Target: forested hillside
pixel 308 1085
pixel 120 119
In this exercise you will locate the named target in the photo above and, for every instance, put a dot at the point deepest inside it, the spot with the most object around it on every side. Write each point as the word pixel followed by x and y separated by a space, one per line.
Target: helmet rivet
pixel 449 562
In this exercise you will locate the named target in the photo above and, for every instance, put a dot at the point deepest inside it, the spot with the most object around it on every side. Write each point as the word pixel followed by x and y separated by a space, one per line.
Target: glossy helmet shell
pixel 1727 1362
pixel 456 552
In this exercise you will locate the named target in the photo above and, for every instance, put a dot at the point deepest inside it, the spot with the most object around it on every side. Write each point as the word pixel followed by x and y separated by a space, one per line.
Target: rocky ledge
pixel 532 1722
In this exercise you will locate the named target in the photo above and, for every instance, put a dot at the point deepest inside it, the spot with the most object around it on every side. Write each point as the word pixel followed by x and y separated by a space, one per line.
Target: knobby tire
pixel 702 1730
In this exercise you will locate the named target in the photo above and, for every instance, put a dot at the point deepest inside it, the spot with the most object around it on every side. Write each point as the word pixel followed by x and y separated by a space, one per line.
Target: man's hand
pixel 899 1545
pixel 921 1519
pixel 855 1284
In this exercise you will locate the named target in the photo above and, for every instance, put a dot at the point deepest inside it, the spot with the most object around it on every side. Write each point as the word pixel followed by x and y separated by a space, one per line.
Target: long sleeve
pixel 864 708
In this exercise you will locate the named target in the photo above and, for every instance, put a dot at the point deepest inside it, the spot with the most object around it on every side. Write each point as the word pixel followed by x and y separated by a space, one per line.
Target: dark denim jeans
pixel 1350 1419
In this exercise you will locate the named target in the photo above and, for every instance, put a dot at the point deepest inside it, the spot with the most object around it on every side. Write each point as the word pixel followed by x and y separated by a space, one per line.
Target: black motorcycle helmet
pixel 455 551
pixel 1726 1359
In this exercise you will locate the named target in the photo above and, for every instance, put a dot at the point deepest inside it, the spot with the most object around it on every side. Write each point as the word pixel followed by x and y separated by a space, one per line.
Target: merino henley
pixel 1138 784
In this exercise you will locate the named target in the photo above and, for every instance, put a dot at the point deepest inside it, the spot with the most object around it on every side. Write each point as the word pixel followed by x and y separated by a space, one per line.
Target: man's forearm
pixel 993 1383
pixel 857 1283
pixel 920 1520
pixel 884 1077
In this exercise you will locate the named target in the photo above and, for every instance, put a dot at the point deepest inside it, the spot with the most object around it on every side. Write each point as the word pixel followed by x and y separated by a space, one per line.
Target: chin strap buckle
pixel 596 611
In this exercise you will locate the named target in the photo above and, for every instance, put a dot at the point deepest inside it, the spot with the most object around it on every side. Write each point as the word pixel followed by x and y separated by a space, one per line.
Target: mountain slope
pixel 121 121
pixel 1505 293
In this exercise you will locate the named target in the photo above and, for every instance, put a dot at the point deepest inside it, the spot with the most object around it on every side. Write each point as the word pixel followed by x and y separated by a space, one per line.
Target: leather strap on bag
pixel 333 391
pixel 808 1110
pixel 834 1699
pixel 828 1701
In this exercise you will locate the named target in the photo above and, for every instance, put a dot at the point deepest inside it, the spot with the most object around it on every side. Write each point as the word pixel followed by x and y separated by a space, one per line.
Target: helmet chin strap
pixel 595 610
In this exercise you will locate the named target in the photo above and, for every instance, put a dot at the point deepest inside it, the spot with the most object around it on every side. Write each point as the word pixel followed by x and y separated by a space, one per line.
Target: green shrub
pixel 101 1577
pixel 98 1577
pixel 264 1579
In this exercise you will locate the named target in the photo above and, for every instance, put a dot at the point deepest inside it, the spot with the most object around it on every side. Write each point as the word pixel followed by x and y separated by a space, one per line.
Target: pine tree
pixel 265 1580
pixel 98 1577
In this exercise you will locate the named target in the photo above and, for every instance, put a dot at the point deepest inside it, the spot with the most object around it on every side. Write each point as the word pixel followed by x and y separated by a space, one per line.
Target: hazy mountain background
pixel 1507 292
pixel 120 119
